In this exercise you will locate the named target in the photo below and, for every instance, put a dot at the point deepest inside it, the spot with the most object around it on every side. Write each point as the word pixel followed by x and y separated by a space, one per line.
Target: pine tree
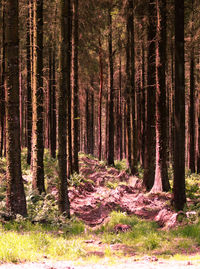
pixel 16 201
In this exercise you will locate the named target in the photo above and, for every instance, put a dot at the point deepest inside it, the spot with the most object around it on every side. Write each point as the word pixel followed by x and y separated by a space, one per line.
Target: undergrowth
pixel 46 233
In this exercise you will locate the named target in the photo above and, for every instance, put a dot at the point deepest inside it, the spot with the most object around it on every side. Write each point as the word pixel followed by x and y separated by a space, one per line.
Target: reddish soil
pixel 94 200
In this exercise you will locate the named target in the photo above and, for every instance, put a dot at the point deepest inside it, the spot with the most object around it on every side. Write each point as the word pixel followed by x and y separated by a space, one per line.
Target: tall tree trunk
pixel 127 93
pixel 172 109
pixel 49 101
pixel 52 104
pixel 87 118
pixel 192 102
pixel 16 200
pixel 119 112
pixel 37 128
pixel 161 182
pixel 198 122
pixel 63 199
pixel 92 124
pixel 21 104
pixel 76 88
pixel 110 158
pixel 149 162
pixel 2 86
pixel 192 116
pixel 69 94
pixel 179 138
pixel 143 103
pixel 53 107
pixel 198 145
pixel 132 89
pixel 29 88
pixel 100 100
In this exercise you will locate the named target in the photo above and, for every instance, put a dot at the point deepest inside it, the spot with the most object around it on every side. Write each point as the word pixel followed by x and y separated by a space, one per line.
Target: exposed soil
pixel 93 201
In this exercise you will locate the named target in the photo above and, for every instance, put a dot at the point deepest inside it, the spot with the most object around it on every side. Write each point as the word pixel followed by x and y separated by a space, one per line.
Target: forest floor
pixel 108 189
pixel 100 190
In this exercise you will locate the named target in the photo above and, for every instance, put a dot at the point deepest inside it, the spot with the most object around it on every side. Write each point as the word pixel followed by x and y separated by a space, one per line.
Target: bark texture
pixel 16 201
pixel 179 138
pixel 37 127
pixel 149 162
pixel 63 200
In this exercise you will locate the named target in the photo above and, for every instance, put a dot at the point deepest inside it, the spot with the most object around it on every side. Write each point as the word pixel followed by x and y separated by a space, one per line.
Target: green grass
pixel 21 241
pixel 121 165
pixel 29 240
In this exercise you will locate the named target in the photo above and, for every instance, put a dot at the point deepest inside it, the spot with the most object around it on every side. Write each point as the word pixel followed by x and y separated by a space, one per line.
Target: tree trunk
pixel 69 95
pixel 29 88
pixel 92 124
pixel 16 200
pixel 87 118
pixel 132 89
pixel 161 182
pixel 110 159
pixel 76 88
pixel 127 94
pixel 100 100
pixel 37 128
pixel 63 199
pixel 143 103
pixel 2 86
pixel 192 116
pixel 179 138
pixel 149 162
pixel 192 102
pixel 119 112
pixel 53 108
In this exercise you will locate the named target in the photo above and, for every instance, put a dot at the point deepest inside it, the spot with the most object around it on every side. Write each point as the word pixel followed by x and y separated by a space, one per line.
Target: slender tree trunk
pixel 16 200
pixel 192 116
pixel 110 158
pixel 124 130
pixel 53 107
pixel 119 112
pixel 49 101
pixel 21 104
pixel 29 88
pixel 37 139
pixel 192 103
pixel 106 127
pixel 69 94
pixel 100 100
pixel 172 109
pixel 161 182
pixel 87 117
pixel 52 104
pixel 198 123
pixel 139 121
pixel 143 103
pixel 132 89
pixel 198 149
pixel 179 138
pixel 2 86
pixel 149 162
pixel 76 88
pixel 92 124
pixel 127 94
pixel 63 199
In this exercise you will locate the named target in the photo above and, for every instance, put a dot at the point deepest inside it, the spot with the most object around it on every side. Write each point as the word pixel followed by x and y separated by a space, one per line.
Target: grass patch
pixel 121 165
pixel 24 241
pixel 47 233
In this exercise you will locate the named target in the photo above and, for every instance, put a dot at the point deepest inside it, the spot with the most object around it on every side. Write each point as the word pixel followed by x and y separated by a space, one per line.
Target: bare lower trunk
pixel 15 200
